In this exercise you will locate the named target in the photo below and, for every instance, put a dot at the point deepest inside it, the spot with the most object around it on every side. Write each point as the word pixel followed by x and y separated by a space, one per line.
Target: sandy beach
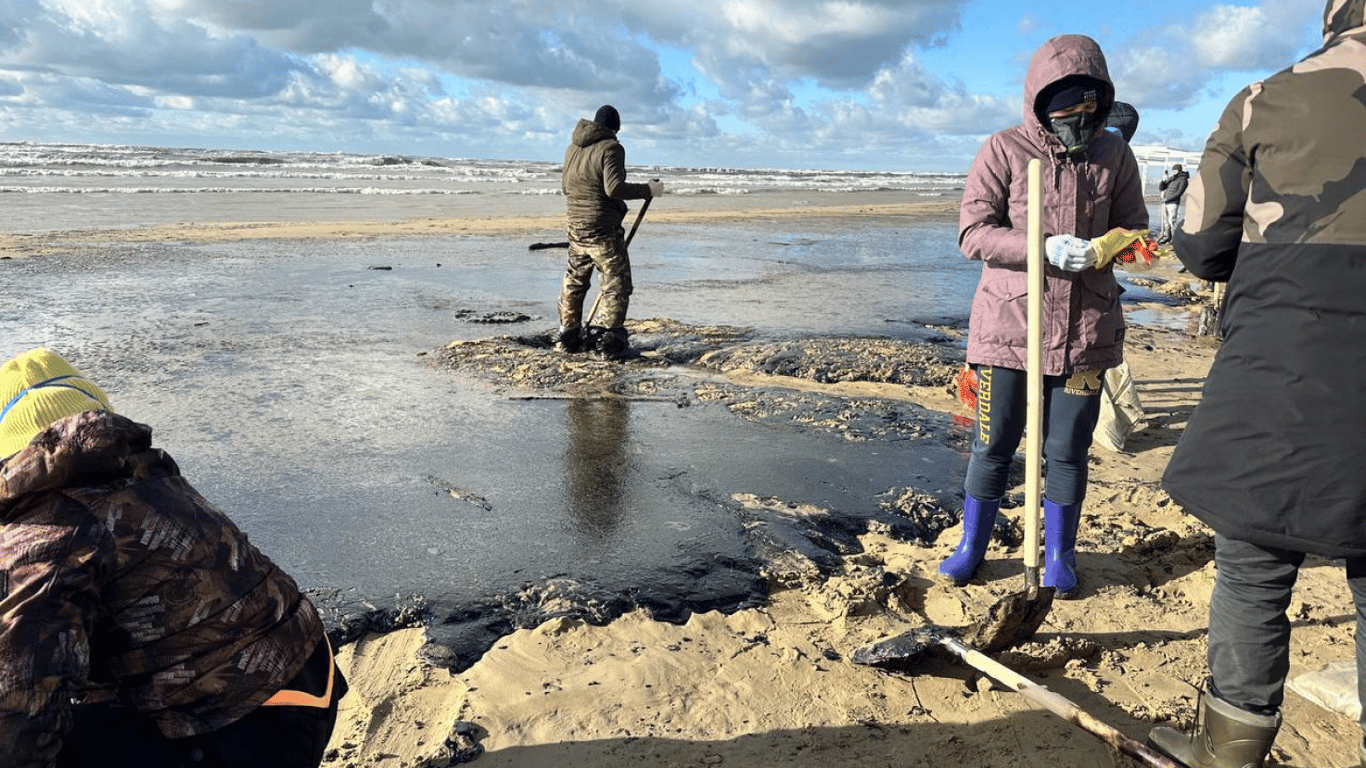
pixel 539 217
pixel 775 685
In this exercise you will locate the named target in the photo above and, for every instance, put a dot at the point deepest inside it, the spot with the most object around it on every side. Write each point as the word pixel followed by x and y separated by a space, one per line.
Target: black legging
pixel 1071 407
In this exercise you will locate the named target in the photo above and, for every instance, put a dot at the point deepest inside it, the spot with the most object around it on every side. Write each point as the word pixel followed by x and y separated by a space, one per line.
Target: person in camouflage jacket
pixel 1274 456
pixel 595 190
pixel 138 626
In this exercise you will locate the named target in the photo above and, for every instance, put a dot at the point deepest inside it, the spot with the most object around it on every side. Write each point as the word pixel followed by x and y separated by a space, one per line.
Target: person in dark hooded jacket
pixel 1091 185
pixel 138 626
pixel 1274 456
pixel 595 190
pixel 1173 188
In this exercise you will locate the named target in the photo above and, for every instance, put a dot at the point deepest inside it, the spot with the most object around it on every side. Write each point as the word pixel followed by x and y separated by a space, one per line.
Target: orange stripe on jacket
pixel 286 698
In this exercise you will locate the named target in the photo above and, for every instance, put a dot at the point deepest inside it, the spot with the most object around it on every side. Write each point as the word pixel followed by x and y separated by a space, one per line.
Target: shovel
pixel 645 206
pixel 1034 393
pixel 896 651
pixel 1016 617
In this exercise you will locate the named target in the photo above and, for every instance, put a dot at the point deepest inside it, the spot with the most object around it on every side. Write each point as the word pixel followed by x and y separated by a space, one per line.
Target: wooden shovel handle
pixel 643 208
pixel 1057 704
pixel 1034 366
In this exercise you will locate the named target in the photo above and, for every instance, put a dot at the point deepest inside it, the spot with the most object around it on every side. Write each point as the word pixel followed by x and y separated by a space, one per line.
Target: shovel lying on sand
pixel 1015 618
pixel 897 651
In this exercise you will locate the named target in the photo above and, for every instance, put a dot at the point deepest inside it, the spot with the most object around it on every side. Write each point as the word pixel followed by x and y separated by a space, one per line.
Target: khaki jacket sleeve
pixel 1207 242
pixel 614 182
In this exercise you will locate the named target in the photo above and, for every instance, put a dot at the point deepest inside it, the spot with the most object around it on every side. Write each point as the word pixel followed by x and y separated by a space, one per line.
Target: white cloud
pixel 1173 69
pixel 300 26
pixel 1243 38
pixel 1028 24
pixel 105 41
pixel 837 43
pixel 765 76
pixel 919 101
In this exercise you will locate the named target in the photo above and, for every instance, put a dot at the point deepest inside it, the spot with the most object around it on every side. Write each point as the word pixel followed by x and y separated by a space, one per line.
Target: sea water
pixel 78 186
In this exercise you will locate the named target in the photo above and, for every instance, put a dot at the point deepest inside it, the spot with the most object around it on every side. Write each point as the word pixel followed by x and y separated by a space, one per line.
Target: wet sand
pixel 774 684
pixel 480 509
pixel 243 218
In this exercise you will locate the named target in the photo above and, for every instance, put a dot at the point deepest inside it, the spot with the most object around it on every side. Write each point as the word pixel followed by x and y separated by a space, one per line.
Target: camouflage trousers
pixel 607 255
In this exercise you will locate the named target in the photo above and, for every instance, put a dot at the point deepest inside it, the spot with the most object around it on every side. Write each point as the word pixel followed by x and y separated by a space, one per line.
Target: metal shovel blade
pixel 900 650
pixel 1011 621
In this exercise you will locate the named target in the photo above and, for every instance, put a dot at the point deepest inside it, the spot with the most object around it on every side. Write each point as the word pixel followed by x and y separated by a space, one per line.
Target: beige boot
pixel 1225 737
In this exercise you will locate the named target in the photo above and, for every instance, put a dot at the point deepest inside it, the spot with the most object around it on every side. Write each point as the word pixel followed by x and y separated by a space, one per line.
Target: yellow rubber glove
pixel 1111 243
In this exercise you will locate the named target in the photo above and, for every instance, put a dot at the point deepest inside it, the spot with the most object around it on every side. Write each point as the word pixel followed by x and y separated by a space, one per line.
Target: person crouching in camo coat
pixel 138 626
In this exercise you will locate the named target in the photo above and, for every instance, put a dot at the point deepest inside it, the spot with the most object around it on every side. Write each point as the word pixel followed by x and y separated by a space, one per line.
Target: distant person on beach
pixel 1091 186
pixel 595 188
pixel 138 626
pixel 1173 188
pixel 1274 456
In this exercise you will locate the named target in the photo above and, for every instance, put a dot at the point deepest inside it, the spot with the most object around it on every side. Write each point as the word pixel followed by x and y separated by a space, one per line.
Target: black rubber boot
pixel 610 343
pixel 567 340
pixel 591 334
pixel 1224 737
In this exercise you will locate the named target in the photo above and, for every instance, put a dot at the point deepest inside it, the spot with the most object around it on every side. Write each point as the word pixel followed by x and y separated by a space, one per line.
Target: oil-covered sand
pixel 774 683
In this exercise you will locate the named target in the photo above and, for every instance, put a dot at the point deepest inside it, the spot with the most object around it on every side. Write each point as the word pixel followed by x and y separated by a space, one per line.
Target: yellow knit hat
pixel 38 388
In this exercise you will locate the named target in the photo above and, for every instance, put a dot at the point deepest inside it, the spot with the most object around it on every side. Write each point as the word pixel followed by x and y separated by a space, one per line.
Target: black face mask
pixel 1075 131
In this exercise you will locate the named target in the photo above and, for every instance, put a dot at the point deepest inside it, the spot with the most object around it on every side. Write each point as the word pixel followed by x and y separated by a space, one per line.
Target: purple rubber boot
pixel 979 517
pixel 1060 523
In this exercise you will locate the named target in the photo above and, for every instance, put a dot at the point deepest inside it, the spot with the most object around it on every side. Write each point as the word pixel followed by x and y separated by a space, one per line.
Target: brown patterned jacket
pixel 119 582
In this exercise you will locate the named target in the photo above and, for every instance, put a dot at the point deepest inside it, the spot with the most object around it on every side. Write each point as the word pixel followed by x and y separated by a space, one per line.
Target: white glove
pixel 656 187
pixel 1069 253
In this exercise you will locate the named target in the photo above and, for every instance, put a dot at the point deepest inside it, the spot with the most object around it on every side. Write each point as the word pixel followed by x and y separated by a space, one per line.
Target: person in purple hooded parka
pixel 1091 185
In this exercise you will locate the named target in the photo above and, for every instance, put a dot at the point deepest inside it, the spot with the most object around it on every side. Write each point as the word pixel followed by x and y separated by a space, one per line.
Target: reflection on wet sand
pixel 597 463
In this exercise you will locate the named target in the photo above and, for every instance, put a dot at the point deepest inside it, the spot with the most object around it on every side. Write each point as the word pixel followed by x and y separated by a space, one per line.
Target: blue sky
pixel 904 85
